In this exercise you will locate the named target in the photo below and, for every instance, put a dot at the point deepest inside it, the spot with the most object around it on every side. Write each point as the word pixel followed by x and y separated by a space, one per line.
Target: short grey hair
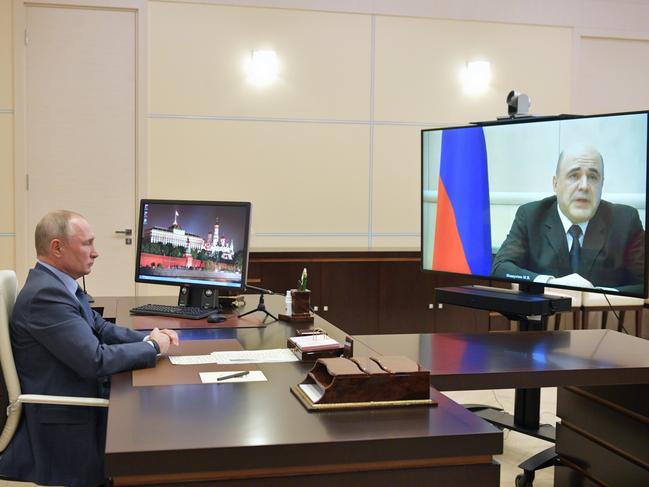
pixel 576 150
pixel 56 224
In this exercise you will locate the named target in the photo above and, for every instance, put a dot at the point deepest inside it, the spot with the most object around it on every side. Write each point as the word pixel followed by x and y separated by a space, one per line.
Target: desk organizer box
pixel 364 382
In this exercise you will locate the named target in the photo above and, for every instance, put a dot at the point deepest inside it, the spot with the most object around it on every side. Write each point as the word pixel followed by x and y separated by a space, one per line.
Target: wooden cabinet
pixel 451 318
pixel 350 296
pixel 603 435
pixel 369 292
pixel 405 298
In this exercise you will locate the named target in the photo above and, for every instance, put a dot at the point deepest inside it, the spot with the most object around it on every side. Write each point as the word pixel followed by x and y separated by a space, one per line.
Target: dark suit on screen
pixel 612 254
pixel 58 351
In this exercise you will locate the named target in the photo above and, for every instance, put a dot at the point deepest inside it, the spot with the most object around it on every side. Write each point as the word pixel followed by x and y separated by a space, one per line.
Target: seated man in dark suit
pixel 62 347
pixel 574 238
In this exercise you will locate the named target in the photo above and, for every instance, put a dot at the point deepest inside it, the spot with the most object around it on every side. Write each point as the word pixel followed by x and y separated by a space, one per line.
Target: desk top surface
pixel 167 429
pixel 460 361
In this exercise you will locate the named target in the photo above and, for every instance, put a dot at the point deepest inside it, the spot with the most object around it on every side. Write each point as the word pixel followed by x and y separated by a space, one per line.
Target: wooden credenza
pixel 602 437
pixel 372 292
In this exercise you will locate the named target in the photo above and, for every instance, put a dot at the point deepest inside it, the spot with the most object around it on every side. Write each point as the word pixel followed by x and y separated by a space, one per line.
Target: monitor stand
pixel 531 308
pixel 199 297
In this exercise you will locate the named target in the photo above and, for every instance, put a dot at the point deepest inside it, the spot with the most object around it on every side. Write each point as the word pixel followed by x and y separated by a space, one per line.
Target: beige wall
pixel 329 154
pixel 7 227
pixel 617 71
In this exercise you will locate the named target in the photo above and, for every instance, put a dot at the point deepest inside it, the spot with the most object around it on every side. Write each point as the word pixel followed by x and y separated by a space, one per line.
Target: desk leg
pixel 527 408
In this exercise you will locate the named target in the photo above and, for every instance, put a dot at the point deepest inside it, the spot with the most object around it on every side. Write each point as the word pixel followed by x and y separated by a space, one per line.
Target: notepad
pixel 213 377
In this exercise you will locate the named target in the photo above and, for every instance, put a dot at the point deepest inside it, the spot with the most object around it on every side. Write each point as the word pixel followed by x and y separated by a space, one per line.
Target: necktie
pixel 575 249
pixel 85 305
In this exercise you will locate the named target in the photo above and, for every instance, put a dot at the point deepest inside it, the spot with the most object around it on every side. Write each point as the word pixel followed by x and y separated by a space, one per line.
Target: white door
pixel 80 129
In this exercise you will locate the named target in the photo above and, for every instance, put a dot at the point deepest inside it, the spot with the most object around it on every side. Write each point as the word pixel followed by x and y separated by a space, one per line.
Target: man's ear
pixel 554 184
pixel 55 247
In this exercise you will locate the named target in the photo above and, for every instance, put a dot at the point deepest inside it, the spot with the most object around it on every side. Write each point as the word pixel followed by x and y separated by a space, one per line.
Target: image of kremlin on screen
pixel 191 247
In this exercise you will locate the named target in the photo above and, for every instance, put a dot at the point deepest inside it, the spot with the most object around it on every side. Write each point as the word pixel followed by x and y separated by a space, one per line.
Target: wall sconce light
pixel 263 67
pixel 476 76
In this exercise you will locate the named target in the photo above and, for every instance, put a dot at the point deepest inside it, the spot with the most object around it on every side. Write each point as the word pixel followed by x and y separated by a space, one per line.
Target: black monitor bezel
pixel 244 271
pixel 527 120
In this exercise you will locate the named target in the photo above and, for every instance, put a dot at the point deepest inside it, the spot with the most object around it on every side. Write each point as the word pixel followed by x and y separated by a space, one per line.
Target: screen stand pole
pixel 531 309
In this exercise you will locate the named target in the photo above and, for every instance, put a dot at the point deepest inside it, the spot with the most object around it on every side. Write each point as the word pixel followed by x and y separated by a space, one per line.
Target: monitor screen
pixel 200 243
pixel 561 202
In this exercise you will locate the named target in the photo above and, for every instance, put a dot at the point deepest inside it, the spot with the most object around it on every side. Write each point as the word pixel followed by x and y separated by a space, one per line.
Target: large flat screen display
pixel 198 243
pixel 559 202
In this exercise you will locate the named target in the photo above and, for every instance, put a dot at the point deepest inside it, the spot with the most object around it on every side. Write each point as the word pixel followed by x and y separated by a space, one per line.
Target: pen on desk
pixel 242 360
pixel 233 376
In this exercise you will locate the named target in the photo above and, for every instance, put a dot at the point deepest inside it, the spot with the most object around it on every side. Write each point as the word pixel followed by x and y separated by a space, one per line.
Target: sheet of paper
pixel 307 341
pixel 191 359
pixel 255 356
pixel 212 377
pixel 313 391
pixel 607 289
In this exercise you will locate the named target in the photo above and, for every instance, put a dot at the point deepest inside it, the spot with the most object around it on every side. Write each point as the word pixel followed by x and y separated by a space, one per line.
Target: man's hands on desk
pixel 576 280
pixel 164 338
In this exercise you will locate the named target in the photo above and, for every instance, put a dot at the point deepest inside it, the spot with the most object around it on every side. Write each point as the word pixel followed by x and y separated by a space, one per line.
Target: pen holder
pixel 301 307
pixel 301 302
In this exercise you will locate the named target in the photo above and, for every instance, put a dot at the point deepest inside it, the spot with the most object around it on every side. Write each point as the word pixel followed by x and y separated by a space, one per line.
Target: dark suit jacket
pixel 612 254
pixel 57 351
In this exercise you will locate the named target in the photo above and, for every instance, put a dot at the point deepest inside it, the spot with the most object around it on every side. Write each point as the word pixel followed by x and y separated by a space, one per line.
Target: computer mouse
pixel 216 318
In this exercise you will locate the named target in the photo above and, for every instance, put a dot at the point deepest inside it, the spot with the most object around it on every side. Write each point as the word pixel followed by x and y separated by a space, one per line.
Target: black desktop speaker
pixel 183 296
pixel 202 297
pixel 209 298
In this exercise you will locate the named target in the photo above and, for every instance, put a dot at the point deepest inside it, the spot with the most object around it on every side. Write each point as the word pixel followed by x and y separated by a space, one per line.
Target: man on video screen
pixel 574 238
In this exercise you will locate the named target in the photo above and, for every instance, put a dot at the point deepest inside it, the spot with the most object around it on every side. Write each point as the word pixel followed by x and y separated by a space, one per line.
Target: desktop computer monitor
pixel 201 246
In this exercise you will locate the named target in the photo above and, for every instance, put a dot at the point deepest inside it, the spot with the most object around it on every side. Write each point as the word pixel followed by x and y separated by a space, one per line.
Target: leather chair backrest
pixel 11 386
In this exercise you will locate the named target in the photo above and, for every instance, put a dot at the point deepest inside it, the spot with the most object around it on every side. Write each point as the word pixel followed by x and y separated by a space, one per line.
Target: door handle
pixel 127 232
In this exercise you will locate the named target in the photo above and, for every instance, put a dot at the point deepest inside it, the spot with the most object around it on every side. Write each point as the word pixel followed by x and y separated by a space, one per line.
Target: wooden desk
pixel 259 434
pixel 603 399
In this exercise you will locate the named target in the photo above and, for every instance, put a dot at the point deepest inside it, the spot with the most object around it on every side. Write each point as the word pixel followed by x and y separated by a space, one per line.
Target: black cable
pixel 620 324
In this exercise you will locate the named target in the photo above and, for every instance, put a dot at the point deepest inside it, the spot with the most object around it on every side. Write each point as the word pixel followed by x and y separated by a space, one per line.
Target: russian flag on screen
pixel 463 224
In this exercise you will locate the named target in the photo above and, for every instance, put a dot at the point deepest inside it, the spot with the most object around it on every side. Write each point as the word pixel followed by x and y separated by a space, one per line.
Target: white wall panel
pixel 6 55
pixel 7 173
pixel 418 65
pixel 301 178
pixel 612 75
pixel 396 183
pixel 197 55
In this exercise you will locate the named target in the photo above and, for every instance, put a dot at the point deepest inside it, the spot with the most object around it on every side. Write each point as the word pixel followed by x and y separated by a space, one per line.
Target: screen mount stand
pixel 531 309
pixel 261 305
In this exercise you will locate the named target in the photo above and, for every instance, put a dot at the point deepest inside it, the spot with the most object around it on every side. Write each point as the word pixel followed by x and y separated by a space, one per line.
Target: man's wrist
pixel 155 345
